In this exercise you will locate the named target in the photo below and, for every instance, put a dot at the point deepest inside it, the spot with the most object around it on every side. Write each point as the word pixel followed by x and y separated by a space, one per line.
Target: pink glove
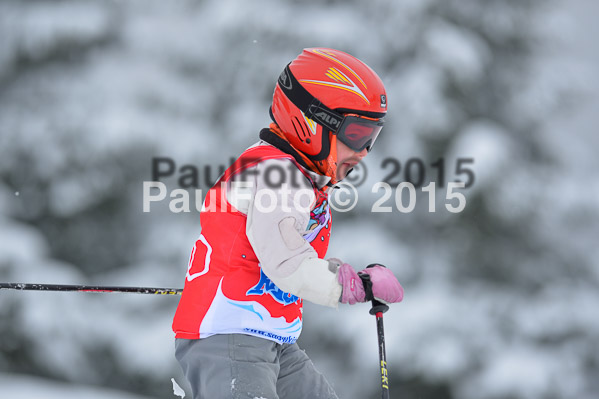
pixel 385 287
pixel 353 289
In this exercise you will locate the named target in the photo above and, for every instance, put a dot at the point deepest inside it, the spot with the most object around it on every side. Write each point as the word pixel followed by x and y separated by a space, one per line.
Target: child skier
pixel 265 230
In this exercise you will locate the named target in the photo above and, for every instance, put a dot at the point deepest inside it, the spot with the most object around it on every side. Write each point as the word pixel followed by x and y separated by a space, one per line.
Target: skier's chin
pixel 344 171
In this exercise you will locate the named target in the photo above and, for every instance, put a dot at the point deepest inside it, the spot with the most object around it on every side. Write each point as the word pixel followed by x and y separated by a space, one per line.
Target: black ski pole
pixel 89 288
pixel 377 310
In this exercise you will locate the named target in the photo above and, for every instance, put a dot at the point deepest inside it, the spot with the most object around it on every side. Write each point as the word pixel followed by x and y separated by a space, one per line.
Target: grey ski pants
pixel 240 366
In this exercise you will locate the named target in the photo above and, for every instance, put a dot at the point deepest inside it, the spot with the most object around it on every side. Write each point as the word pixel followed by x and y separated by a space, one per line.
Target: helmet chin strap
pixel 331 160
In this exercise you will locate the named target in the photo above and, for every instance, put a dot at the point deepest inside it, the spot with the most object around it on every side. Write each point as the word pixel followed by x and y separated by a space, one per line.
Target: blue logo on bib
pixel 266 286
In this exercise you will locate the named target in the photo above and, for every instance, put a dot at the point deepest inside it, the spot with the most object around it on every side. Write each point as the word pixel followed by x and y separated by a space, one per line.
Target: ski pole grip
pixel 376 305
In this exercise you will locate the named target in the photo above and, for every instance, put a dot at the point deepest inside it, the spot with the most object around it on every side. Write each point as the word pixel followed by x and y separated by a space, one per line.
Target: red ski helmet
pixel 326 92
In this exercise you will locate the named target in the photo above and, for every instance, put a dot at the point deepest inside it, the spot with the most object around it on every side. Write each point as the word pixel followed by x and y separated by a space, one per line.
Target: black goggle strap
pixel 307 103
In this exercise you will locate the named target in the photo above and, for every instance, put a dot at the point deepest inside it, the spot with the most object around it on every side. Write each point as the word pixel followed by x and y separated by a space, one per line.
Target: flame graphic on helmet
pixel 311 124
pixel 344 83
pixel 341 80
pixel 331 56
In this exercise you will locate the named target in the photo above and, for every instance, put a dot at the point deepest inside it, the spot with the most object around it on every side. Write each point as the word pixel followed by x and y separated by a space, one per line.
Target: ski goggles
pixel 355 131
pixel 359 132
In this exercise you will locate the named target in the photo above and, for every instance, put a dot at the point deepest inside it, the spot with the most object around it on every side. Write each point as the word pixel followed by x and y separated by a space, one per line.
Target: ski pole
pixel 377 310
pixel 89 288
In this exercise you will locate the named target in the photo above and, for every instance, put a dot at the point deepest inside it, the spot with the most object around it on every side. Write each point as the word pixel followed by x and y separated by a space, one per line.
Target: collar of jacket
pixel 273 139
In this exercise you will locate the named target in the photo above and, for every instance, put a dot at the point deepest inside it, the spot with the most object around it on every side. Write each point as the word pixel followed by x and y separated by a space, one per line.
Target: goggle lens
pixel 359 132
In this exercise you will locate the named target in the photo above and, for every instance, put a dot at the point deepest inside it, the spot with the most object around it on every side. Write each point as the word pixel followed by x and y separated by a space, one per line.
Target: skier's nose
pixel 362 153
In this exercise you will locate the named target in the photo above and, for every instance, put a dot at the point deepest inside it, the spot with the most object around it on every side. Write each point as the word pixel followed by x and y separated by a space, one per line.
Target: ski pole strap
pixel 377 307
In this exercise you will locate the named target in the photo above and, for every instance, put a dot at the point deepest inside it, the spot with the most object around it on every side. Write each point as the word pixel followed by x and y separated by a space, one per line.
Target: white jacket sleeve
pixel 277 217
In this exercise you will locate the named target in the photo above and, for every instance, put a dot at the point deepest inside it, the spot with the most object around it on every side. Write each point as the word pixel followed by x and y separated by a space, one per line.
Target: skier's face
pixel 347 159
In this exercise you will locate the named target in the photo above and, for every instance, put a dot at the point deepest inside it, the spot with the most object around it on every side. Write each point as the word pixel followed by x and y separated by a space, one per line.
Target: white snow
pixel 177 390
pixel 489 146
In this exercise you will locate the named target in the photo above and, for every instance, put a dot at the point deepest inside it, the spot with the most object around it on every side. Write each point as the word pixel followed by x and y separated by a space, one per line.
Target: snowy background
pixel 501 299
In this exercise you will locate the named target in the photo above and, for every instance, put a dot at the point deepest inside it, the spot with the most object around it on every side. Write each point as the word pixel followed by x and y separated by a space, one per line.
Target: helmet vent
pixel 301 132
